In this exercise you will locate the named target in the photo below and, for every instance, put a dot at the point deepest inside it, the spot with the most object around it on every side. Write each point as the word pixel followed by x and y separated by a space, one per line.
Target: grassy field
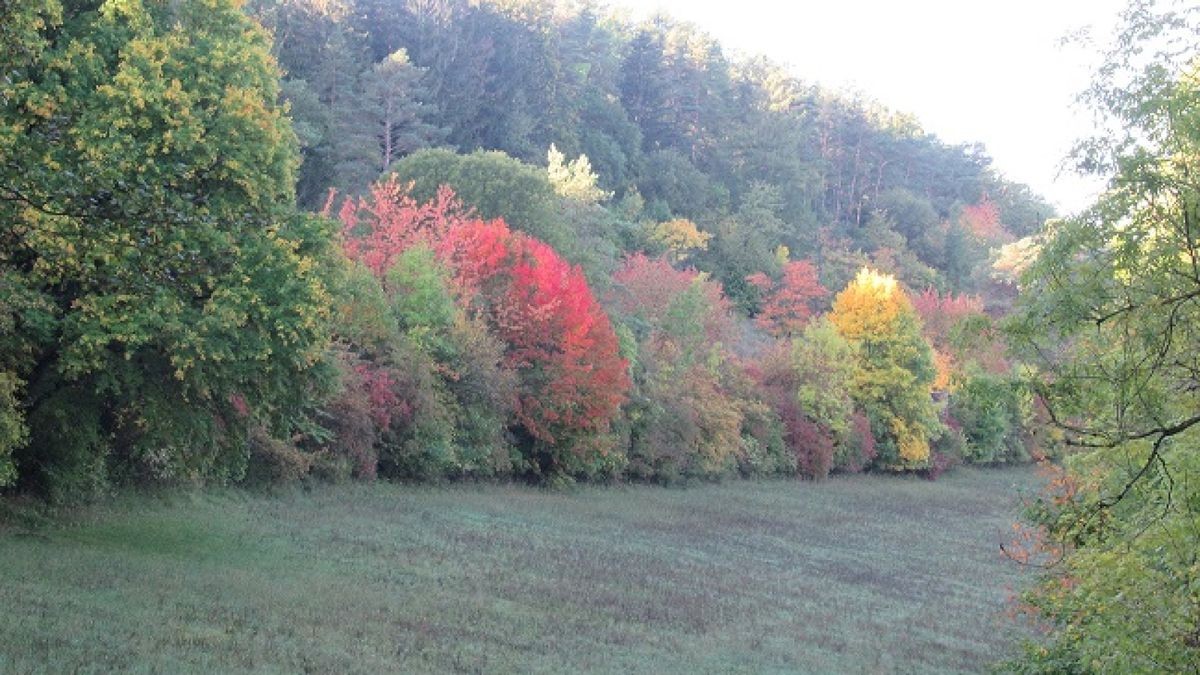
pixel 855 574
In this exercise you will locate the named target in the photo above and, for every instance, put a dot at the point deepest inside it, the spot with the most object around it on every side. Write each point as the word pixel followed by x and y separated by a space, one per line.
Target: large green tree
pixel 158 290
pixel 1109 313
pixel 495 185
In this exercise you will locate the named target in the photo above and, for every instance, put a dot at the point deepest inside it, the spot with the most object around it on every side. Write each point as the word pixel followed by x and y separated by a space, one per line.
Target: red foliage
pixel 557 338
pixel 939 464
pixel 358 415
pixel 788 304
pixel 813 445
pixel 380 226
pixel 378 385
pixel 983 221
pixel 860 446
pixel 239 405
pixel 647 287
pixel 476 251
pixel 939 313
pixel 810 442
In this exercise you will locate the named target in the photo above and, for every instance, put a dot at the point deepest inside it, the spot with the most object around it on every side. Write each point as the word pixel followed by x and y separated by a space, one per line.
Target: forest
pixel 290 242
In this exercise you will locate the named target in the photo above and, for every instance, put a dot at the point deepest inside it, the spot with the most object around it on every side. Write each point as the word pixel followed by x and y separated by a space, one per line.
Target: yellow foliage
pixel 869 305
pixel 681 235
pixel 782 255
pixel 911 442
pixel 574 179
pixel 946 368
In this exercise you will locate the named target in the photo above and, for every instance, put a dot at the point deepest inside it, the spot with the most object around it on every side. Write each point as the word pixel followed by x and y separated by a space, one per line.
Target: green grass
pixel 855 574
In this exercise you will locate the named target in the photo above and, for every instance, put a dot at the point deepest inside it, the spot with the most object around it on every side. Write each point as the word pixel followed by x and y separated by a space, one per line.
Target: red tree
pixel 560 342
pixel 983 221
pixel 557 339
pixel 380 226
pixel 788 303
pixel 939 313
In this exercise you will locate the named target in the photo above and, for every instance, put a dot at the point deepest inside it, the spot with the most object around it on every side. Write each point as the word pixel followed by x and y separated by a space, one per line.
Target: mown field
pixel 855 574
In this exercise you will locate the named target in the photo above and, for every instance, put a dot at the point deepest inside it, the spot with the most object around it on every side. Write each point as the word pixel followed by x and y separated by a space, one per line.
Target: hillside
pixel 673 128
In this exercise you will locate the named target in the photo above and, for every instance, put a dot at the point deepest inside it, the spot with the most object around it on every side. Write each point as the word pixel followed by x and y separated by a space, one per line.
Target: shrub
pixel 419 440
pixel 688 417
pixel 763 450
pixel 857 451
pixel 807 381
pixel 273 461
pixel 686 426
pixel 991 410
pixel 354 424
pixel 13 432
pixel 483 388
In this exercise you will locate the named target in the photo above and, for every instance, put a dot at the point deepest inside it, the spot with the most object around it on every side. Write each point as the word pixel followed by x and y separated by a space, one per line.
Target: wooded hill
pixel 672 126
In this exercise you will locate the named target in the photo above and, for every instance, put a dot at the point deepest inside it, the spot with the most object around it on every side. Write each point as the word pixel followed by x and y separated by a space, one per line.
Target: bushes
pixel 353 423
pixel 695 411
pixel 13 432
pixel 992 411
pixel 858 450
pixel 682 424
pixel 808 382
pixel 487 332
pixel 571 377
pixel 423 393
pixel 763 451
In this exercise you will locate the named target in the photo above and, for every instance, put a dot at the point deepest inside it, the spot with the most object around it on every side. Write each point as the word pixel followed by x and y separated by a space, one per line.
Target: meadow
pixel 853 574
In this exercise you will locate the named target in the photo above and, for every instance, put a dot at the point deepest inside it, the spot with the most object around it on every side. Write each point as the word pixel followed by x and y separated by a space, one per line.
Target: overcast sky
pixel 994 72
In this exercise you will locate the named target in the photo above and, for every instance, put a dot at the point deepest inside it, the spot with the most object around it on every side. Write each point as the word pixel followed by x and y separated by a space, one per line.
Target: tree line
pixel 183 304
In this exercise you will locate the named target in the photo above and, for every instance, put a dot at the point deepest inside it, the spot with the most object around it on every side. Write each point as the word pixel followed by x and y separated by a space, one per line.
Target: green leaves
pixel 149 189
pixel 1109 315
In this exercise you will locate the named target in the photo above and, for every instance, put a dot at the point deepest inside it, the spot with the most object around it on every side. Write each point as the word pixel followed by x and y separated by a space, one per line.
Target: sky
pixel 994 72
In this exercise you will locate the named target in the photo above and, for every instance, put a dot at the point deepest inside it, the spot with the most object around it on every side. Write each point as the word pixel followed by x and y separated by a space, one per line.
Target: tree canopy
pixel 1108 313
pixel 159 289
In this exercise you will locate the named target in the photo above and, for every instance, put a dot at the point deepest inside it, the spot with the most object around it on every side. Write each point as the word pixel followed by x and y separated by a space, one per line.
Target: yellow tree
pixel 895 369
pixel 680 236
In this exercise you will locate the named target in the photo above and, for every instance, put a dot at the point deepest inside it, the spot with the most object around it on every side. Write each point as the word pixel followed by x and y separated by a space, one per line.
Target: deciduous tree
pixel 895 367
pixel 150 248
pixel 789 303
pixel 557 338
pixel 1108 315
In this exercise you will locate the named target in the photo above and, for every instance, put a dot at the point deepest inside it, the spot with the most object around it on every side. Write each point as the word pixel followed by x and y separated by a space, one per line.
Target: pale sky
pixel 993 72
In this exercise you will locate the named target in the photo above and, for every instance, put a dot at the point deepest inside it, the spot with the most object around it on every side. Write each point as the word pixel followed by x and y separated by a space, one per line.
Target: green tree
pixel 1108 314
pixel 495 186
pixel 162 291
pixel 395 92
